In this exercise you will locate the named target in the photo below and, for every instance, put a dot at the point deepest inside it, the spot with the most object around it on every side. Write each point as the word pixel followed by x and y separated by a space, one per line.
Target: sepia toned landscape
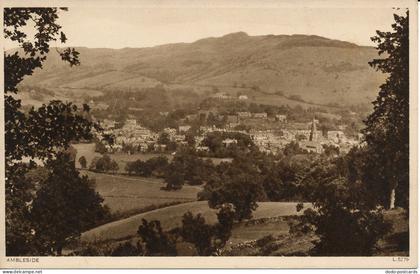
pixel 238 144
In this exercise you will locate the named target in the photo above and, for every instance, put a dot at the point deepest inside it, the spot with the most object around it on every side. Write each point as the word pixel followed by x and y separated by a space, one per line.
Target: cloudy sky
pixel 145 25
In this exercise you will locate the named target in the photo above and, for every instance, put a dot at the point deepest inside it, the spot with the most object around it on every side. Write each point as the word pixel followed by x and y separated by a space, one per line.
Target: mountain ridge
pixel 315 68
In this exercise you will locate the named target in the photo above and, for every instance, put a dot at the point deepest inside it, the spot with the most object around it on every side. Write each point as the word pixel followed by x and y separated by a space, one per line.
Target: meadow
pixel 124 194
pixel 171 217
pixel 88 150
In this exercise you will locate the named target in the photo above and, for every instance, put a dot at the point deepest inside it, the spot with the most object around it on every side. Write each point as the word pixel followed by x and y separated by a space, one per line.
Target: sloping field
pixel 127 194
pixel 171 217
pixel 245 232
pixel 123 158
pixel 87 150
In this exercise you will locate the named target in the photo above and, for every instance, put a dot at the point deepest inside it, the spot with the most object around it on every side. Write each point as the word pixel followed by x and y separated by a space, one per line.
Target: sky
pixel 120 26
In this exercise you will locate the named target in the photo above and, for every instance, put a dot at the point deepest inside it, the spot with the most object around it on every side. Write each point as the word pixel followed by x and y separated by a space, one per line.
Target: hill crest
pixel 317 69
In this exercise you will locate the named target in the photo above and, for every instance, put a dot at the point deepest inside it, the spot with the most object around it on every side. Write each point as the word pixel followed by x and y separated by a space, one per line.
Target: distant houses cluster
pixel 308 137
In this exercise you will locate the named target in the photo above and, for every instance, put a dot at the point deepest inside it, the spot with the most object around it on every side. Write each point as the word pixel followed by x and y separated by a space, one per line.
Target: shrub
pixel 156 241
pixel 127 249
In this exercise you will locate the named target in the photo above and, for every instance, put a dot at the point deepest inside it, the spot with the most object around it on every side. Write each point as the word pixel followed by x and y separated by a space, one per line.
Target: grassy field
pixel 124 194
pixel 123 158
pixel 87 150
pixel 170 217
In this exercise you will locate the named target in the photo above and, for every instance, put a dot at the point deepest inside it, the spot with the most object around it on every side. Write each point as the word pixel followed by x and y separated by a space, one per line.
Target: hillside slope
pixel 317 69
pixel 171 217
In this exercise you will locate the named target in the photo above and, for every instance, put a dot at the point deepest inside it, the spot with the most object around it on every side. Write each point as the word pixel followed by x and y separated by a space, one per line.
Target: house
pixel 342 127
pixel 243 97
pixel 202 148
pixel 311 146
pixel 244 114
pixel 281 118
pixel 227 142
pixel 159 147
pixel 206 129
pixel 233 125
pixel 143 147
pixel 142 132
pixel 108 124
pixel 170 131
pixel 184 128
pixel 191 117
pixel 178 138
pixel 260 115
pixel 221 95
pixel 335 135
pixel 232 119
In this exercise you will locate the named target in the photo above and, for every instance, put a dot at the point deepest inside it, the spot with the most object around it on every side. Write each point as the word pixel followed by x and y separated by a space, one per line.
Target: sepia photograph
pixel 243 134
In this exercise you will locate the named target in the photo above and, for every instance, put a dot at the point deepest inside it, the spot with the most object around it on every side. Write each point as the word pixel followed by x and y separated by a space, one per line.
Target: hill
pixel 319 70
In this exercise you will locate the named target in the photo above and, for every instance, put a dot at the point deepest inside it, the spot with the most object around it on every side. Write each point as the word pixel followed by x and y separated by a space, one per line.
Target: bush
pixel 195 230
pixel 186 167
pixel 104 164
pixel 206 238
pixel 343 217
pixel 344 232
pixel 242 192
pixel 265 240
pixel 127 249
pixel 156 241
pixel 83 162
pixel 100 148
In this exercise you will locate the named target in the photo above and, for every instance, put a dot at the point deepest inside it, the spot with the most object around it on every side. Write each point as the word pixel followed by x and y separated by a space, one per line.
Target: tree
pixel 174 178
pixel 207 238
pixel 82 161
pixel 38 133
pixel 164 139
pixel 22 132
pixel 100 147
pixel 156 241
pixel 242 191
pixel 18 225
pixel 127 249
pixel 225 217
pixel 331 150
pixel 344 220
pixel 65 205
pixel 387 127
pixel 292 148
pixel 104 164
pixel 195 230
pixel 157 165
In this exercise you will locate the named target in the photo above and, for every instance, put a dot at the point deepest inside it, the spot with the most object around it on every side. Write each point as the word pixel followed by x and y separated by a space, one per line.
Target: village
pixel 271 141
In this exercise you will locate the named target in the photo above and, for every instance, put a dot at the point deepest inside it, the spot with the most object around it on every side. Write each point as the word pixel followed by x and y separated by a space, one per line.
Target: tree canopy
pixel 387 127
pixel 43 133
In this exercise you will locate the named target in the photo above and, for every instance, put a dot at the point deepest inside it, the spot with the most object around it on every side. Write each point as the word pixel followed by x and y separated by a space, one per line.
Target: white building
pixel 228 142
pixel 184 128
pixel 261 115
pixel 335 136
pixel 244 114
pixel 281 118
